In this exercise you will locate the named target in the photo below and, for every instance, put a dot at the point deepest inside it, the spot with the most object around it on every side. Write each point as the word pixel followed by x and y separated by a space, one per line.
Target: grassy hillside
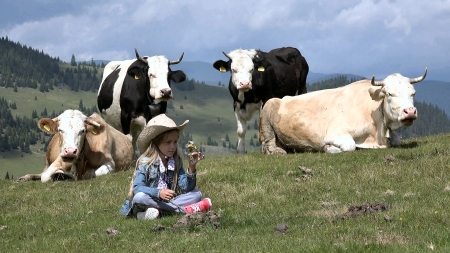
pixel 209 109
pixel 253 194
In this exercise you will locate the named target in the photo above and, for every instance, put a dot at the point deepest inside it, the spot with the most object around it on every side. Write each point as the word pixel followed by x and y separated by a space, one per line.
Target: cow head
pixel 397 94
pixel 242 64
pixel 156 73
pixel 72 126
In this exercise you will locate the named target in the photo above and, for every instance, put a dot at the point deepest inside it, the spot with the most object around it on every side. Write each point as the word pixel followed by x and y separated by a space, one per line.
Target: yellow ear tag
pixel 94 132
pixel 261 69
pixel 136 77
pixel 222 69
pixel 46 127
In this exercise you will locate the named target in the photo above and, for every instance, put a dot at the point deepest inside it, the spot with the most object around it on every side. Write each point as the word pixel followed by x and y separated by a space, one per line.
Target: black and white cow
pixel 134 91
pixel 258 76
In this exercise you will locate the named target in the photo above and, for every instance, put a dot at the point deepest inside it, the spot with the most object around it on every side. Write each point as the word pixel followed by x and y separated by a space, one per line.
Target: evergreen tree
pixel 80 105
pixel 73 62
pixel 251 142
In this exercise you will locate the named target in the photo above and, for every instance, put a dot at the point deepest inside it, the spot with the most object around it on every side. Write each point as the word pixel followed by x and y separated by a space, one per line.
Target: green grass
pixel 253 193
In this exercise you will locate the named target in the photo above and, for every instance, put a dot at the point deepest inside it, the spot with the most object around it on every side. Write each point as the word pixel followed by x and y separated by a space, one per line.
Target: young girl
pixel 160 182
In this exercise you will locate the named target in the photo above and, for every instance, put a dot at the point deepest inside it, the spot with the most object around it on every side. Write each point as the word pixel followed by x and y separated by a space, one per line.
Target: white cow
pixel 340 119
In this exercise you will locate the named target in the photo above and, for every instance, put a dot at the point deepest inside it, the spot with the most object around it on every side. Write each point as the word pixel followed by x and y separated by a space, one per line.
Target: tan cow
pixel 82 148
pixel 340 119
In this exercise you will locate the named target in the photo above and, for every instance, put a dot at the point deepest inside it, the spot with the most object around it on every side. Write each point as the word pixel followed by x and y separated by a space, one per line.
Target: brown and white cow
pixel 340 119
pixel 82 147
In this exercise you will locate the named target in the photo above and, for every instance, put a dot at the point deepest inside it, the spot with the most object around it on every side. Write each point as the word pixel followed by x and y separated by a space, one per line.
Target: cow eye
pixel 412 95
pixel 234 70
pixel 60 131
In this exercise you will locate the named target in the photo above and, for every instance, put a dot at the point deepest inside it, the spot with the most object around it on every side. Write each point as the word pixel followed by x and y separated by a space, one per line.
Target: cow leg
pixel 266 133
pixel 136 127
pixel 106 168
pixel 242 116
pixel 339 144
pixel 29 177
pixel 47 175
pixel 241 130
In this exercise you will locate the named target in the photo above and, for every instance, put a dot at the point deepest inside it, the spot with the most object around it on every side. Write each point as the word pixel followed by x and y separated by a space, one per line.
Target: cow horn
pixel 92 122
pixel 176 61
pixel 138 57
pixel 226 55
pixel 376 83
pixel 418 79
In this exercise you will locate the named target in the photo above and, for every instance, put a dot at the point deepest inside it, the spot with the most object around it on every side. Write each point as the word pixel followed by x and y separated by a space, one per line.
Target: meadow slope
pixel 253 193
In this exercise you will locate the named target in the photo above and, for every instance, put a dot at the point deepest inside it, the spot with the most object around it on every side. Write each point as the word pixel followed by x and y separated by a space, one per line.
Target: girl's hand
pixel 195 157
pixel 166 194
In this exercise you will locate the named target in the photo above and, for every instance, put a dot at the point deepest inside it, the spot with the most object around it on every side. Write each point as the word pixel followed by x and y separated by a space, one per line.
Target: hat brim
pixel 150 132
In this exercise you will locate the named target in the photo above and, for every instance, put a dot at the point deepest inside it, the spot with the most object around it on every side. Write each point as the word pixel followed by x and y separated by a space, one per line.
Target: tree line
pixel 22 66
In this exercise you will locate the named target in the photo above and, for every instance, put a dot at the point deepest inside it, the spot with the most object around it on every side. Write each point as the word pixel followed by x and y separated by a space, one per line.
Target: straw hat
pixel 155 127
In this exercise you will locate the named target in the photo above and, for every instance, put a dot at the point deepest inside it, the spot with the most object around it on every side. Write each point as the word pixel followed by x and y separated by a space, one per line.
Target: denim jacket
pixel 146 181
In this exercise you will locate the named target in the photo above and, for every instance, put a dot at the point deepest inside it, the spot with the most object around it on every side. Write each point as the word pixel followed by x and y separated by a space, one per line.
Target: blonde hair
pixel 152 153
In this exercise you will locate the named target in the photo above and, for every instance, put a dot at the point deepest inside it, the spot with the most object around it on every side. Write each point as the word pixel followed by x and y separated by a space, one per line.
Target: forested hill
pixel 30 72
pixel 22 66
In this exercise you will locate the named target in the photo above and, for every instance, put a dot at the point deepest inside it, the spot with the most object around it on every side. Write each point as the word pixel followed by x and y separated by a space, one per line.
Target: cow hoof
pixel 274 151
pixel 22 179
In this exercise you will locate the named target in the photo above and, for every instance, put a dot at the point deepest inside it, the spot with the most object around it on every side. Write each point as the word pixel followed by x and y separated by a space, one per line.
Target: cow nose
pixel 166 93
pixel 410 111
pixel 70 151
pixel 244 85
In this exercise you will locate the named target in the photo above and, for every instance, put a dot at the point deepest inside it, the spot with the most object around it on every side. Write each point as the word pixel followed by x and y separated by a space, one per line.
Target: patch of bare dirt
pixel 198 220
pixel 355 211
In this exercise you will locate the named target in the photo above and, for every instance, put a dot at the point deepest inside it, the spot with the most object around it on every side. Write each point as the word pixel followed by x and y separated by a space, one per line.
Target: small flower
pixel 190 146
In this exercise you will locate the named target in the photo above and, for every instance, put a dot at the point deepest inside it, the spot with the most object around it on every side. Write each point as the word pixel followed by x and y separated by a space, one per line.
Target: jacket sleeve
pixel 186 182
pixel 139 182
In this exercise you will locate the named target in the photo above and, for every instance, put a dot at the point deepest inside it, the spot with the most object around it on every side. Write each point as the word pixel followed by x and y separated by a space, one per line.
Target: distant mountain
pixel 434 92
pixel 429 91
pixel 203 71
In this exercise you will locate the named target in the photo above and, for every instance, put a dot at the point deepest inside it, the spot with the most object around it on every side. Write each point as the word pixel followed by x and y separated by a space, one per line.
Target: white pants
pixel 142 201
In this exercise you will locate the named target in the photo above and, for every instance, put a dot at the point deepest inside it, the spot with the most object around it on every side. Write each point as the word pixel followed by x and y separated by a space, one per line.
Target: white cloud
pixel 355 36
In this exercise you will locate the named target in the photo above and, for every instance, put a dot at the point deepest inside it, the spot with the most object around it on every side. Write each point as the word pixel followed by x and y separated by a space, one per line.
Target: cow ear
pixel 136 73
pixel 221 66
pixel 48 125
pixel 94 130
pixel 94 124
pixel 177 76
pixel 377 93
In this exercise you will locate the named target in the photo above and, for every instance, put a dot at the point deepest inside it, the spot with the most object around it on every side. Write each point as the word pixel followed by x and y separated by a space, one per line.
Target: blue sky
pixel 362 37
